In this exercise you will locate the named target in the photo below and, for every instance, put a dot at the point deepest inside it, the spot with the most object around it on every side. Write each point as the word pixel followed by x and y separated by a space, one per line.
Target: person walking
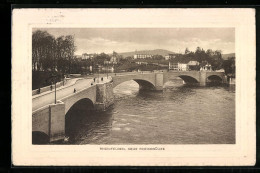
pixel 75 90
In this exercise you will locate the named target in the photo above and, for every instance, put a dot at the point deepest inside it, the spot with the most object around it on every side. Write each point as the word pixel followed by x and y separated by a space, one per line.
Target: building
pixel 169 56
pixel 78 56
pixel 193 65
pixel 136 56
pixel 139 62
pixel 113 60
pixel 183 67
pixel 87 56
pixel 173 66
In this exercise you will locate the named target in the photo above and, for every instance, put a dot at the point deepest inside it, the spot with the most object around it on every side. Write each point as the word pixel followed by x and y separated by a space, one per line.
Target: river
pixel 180 114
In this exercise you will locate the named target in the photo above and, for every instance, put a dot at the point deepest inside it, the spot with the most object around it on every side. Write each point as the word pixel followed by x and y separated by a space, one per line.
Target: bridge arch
pixel 39 137
pixel 74 116
pixel 81 104
pixel 89 93
pixel 188 79
pixel 144 83
pixel 214 78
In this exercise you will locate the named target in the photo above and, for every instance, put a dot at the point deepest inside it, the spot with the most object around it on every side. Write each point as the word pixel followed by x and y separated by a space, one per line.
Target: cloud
pixel 96 40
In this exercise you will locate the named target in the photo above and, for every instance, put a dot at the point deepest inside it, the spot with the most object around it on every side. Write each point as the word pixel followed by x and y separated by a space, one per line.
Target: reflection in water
pixel 180 114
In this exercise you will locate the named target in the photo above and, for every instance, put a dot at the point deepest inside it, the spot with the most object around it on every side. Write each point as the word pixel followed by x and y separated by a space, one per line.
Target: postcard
pixel 133 87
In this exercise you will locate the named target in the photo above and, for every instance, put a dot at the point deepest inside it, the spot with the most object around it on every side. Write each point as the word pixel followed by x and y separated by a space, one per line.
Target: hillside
pixel 226 56
pixel 152 52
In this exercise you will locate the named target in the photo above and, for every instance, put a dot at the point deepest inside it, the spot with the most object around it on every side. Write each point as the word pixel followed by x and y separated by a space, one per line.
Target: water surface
pixel 180 114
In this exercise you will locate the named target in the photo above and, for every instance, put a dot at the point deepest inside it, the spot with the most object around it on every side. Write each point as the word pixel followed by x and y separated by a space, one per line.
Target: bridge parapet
pixel 89 93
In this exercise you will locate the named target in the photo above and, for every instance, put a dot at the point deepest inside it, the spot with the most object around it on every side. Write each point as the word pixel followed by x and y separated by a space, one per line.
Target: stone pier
pixel 50 120
pixel 159 81
pixel 202 78
pixel 104 97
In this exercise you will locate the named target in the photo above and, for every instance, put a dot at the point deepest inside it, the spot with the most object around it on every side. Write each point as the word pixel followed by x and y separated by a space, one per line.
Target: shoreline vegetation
pixel 54 58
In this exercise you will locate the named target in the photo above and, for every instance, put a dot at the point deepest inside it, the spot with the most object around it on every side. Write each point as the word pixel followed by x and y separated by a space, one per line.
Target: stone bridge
pixel 157 80
pixel 49 118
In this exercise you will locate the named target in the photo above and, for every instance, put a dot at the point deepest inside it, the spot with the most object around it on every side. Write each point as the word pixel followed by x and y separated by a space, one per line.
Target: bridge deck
pixel 49 97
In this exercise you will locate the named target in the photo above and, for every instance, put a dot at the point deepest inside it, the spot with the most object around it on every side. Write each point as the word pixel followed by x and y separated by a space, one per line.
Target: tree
pixel 198 50
pixel 99 59
pixel 187 51
pixel 229 66
pixel 43 50
pixel 209 52
pixel 70 49
pixel 65 49
pixel 157 57
pixel 50 54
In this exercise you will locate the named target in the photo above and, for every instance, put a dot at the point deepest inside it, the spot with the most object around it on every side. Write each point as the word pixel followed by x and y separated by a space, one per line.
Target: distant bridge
pixel 49 118
pixel 158 79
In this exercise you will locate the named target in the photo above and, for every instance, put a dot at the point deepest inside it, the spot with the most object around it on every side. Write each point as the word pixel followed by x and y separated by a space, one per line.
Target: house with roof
pixel 173 66
pixel 169 56
pixel 87 56
pixel 193 65
pixel 183 67
pixel 139 56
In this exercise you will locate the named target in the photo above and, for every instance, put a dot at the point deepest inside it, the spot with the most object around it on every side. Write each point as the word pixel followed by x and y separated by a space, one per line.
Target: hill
pixel 226 56
pixel 152 52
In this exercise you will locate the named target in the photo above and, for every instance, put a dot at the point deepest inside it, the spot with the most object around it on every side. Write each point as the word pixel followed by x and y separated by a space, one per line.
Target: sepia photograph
pixel 133 87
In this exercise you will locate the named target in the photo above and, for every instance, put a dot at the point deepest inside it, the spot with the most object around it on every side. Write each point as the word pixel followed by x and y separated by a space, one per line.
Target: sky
pixel 107 40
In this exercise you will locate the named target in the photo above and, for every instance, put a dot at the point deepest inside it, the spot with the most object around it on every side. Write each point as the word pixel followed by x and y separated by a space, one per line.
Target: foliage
pixel 203 57
pixel 44 78
pixel 229 66
pixel 50 54
pixel 43 50
pixel 99 59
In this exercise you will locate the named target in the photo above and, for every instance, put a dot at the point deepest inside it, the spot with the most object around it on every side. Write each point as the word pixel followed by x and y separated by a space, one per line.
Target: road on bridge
pixel 47 98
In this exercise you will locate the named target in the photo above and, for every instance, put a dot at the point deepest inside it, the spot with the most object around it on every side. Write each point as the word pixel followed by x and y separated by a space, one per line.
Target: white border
pixel 241 153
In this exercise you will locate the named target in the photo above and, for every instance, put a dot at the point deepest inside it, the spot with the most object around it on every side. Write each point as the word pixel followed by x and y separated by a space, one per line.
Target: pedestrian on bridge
pixel 51 87
pixel 39 90
pixel 75 90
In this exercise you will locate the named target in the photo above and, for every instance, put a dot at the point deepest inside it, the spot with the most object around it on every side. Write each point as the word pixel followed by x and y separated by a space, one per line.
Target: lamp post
pixel 55 92
pixel 107 70
pixel 54 78
pixel 98 74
